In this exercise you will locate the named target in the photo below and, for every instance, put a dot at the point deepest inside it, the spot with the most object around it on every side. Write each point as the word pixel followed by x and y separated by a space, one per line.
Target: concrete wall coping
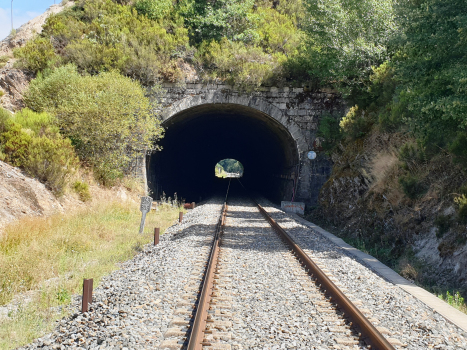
pixel 450 313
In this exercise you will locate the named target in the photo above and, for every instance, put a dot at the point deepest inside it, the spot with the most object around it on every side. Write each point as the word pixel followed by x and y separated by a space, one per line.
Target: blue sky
pixel 23 11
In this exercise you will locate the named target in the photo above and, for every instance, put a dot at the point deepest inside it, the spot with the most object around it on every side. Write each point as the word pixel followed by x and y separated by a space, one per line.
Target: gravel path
pixel 403 318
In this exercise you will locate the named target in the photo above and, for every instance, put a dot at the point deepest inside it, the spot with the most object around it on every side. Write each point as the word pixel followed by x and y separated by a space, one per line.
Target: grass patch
pixel 51 256
pixel 3 61
pixel 455 300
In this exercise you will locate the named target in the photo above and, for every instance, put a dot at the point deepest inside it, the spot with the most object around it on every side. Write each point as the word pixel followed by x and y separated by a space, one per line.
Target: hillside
pixel 14 82
pixel 80 87
pixel 22 196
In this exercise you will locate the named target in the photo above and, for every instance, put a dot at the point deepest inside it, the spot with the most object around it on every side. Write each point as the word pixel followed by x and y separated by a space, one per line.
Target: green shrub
pixel 39 149
pixel 346 38
pixel 443 223
pixel 217 19
pixel 52 161
pixel 82 189
pixel 330 131
pixel 5 117
pixel 246 67
pixel 15 144
pixel 37 122
pixel 459 149
pixel 412 186
pixel 3 61
pixel 462 208
pixel 36 55
pixel 101 35
pixel 154 9
pixel 355 124
pixel 411 154
pixel 108 117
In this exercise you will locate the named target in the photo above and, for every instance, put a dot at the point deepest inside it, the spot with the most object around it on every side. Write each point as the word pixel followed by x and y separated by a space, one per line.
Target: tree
pixel 345 38
pixel 209 20
pixel 431 67
pixel 107 117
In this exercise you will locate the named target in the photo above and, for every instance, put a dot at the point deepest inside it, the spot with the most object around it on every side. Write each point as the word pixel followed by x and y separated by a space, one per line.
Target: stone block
pixel 293 207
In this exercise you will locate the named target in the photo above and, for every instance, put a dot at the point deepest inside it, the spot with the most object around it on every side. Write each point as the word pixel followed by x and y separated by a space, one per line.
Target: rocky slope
pixel 14 82
pixel 364 201
pixel 22 196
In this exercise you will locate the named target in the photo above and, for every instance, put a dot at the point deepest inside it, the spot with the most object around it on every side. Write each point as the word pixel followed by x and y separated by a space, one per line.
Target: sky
pixel 23 11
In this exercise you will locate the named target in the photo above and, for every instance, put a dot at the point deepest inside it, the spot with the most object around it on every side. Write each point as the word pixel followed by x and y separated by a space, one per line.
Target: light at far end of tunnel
pixel 196 139
pixel 228 168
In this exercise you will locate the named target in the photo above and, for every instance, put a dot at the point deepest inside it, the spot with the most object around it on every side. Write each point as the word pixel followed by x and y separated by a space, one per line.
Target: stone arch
pixel 226 97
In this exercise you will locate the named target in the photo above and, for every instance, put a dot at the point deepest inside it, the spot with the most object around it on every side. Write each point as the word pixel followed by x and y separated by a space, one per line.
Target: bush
pixel 40 123
pixel 443 223
pixel 36 55
pixel 411 154
pixel 246 67
pixel 82 189
pixel 346 38
pixel 107 117
pixel 412 186
pixel 462 209
pixel 15 144
pixel 3 61
pixel 52 161
pixel 154 9
pixel 39 149
pixel 100 35
pixel 330 131
pixel 459 149
pixel 355 124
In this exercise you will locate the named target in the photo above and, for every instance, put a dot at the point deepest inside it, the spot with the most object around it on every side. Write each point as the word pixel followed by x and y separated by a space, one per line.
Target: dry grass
pixel 51 256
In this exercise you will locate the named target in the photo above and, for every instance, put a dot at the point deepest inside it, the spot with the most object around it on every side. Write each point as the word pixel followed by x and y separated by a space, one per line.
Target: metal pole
pixel 180 216
pixel 11 15
pixel 87 295
pixel 156 235
pixel 193 205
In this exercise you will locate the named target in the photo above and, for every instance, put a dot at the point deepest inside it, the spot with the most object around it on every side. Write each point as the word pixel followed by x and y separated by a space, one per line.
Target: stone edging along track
pixel 450 313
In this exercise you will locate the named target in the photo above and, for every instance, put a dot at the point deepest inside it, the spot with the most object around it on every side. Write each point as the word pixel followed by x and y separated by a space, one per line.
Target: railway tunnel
pixel 198 137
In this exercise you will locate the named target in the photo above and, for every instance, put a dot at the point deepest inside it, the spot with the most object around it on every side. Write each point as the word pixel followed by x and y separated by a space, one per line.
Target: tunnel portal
pixel 199 137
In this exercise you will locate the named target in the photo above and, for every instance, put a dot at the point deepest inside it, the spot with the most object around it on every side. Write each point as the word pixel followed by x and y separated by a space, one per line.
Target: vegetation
pixel 228 166
pixel 30 140
pixel 51 256
pixel 400 65
pixel 3 61
pixel 107 117
pixel 347 38
pixel 455 299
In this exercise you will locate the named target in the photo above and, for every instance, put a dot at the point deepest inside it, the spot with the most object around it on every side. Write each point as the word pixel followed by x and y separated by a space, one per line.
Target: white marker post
pixel 146 204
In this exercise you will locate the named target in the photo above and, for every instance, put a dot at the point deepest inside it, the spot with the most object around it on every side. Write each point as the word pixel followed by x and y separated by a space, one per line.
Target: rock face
pixel 22 196
pixel 364 199
pixel 14 82
pixel 28 30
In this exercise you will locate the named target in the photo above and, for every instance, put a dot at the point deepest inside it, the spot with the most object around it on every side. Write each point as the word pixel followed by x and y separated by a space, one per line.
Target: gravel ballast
pixel 263 298
pixel 405 318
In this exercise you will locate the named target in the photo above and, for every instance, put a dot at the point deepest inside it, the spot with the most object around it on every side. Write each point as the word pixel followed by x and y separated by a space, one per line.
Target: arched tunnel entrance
pixel 199 137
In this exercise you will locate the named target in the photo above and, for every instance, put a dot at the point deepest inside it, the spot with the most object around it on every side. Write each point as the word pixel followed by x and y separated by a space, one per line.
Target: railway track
pixel 260 296
pixel 212 324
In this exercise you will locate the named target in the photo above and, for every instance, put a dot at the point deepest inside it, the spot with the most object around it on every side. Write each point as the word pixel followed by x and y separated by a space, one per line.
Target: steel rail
pixel 198 327
pixel 368 331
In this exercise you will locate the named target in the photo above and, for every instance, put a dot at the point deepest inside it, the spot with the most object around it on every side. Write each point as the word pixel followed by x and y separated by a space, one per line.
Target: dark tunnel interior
pixel 197 138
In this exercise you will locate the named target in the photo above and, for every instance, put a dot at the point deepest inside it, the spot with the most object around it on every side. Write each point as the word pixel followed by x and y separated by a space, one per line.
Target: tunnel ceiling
pixel 199 137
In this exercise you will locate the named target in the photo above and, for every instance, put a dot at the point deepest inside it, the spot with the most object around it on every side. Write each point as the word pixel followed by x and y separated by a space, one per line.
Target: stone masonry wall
pixel 297 109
